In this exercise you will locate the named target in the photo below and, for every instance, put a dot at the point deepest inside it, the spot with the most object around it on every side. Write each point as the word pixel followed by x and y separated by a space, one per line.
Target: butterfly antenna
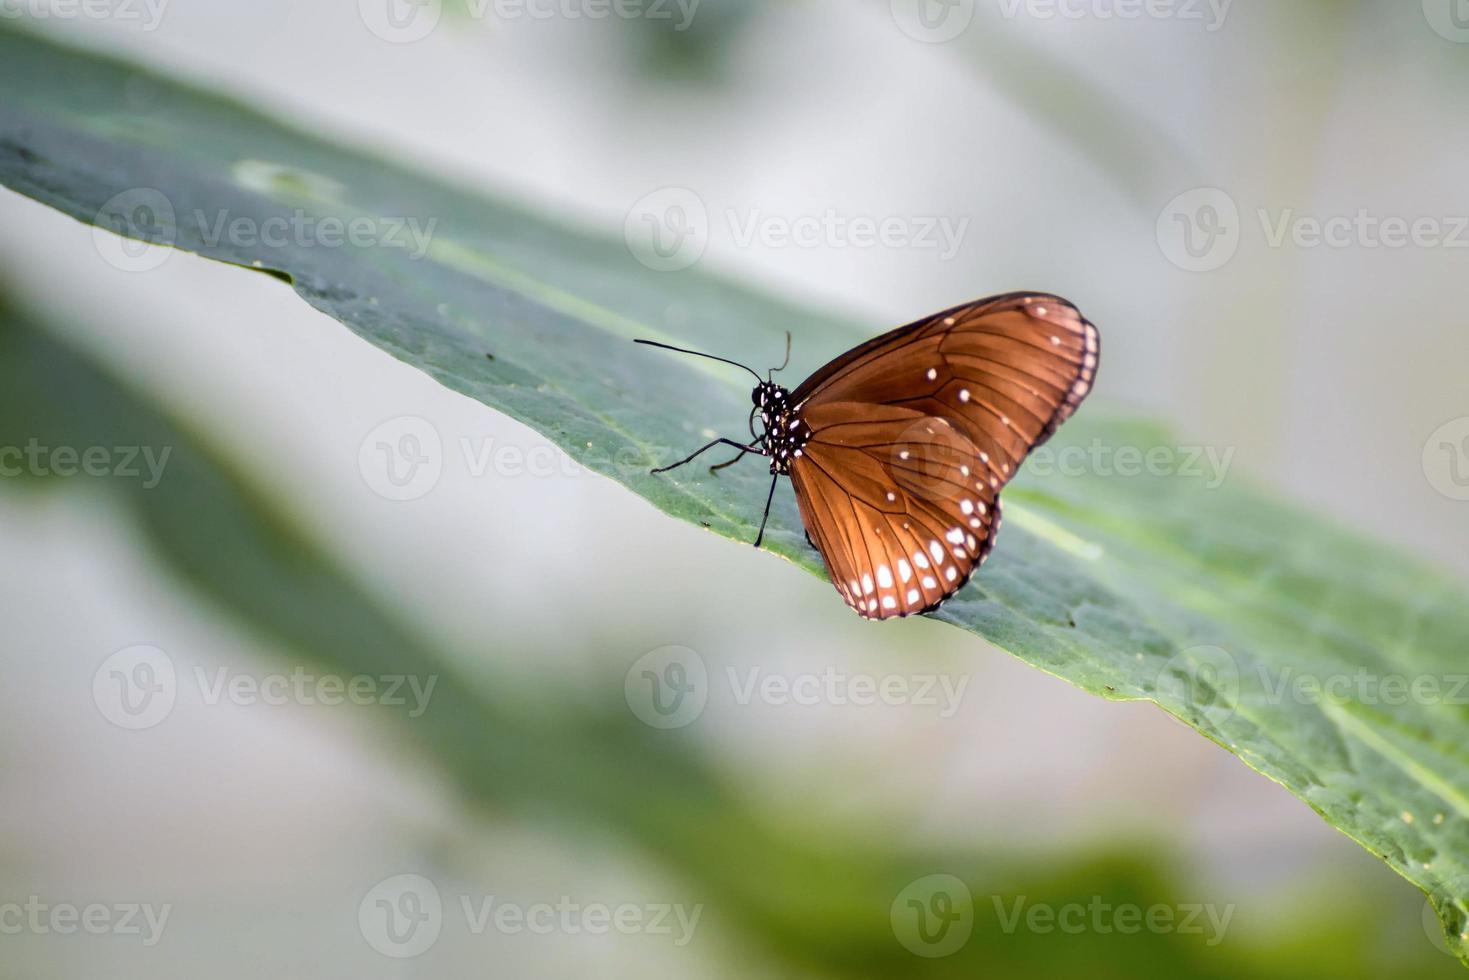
pixel 785 363
pixel 682 350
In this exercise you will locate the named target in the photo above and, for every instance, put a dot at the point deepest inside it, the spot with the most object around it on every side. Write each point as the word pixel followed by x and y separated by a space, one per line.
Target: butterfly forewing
pixel 914 434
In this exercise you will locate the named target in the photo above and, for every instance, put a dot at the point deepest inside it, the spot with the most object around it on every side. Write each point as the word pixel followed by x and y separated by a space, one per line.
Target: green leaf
pixel 1231 611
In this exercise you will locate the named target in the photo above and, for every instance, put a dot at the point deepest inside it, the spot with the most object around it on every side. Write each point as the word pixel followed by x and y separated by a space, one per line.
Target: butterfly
pixel 899 448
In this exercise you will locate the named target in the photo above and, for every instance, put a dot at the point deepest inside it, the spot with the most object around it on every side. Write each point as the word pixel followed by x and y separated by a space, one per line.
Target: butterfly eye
pixel 758 396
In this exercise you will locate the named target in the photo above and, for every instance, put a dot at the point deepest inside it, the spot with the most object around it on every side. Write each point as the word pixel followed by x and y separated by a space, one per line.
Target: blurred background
pixel 1163 170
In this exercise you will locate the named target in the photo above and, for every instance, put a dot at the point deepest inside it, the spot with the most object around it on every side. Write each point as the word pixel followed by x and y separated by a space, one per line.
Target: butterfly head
pixel 768 395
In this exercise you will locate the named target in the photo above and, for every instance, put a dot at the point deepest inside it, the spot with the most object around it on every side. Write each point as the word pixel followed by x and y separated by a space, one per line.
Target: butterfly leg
pixel 719 466
pixel 717 442
pixel 764 520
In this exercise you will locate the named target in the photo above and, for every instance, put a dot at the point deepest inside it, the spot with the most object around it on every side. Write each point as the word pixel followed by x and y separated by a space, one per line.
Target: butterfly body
pixel 786 432
pixel 898 449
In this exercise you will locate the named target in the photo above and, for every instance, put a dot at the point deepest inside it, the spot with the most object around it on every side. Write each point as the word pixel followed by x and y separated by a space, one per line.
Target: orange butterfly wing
pixel 915 433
